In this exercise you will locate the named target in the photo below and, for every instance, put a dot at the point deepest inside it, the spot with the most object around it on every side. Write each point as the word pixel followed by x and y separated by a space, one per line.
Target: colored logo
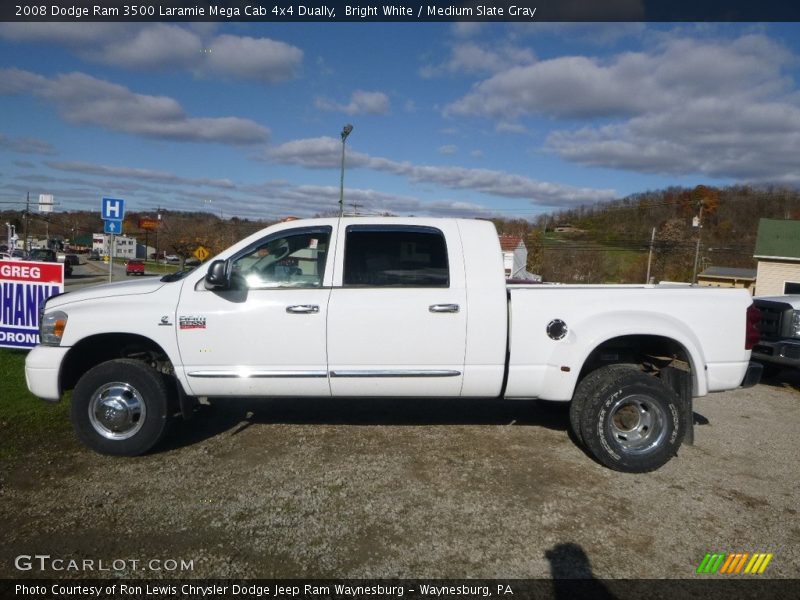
pixel 734 564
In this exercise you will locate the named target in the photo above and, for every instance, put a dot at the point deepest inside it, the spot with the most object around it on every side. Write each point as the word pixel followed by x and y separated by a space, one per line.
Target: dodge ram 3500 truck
pixel 391 307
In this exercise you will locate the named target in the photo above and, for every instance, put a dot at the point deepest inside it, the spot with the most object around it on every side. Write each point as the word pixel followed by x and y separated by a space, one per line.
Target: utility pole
pixel 697 248
pixel 26 245
pixel 650 255
pixel 346 130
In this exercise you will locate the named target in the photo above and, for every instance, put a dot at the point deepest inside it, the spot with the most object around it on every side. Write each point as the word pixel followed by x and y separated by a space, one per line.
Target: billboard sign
pixel 46 203
pixel 24 288
pixel 148 224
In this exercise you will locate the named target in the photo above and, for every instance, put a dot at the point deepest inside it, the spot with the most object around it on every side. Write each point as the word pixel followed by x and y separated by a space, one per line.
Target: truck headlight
pixel 795 324
pixel 51 328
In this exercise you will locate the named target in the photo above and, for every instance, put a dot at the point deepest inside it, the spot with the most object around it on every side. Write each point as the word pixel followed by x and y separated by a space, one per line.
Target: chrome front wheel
pixel 121 407
pixel 117 411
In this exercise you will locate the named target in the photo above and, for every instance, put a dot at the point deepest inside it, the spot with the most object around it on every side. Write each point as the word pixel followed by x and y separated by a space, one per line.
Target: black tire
pixel 588 388
pixel 121 407
pixel 631 421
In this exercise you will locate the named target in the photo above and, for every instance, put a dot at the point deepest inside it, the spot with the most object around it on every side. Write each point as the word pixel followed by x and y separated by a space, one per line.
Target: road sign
pixel 114 227
pixel 201 253
pixel 112 209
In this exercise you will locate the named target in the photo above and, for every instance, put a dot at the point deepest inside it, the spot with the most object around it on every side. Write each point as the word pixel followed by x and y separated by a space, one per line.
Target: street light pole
pixel 345 132
pixel 697 248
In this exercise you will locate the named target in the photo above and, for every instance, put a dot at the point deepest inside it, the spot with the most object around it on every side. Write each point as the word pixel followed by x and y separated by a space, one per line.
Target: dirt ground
pixel 408 488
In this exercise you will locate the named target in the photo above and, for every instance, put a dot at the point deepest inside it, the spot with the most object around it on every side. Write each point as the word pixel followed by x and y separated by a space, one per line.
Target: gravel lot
pixel 420 488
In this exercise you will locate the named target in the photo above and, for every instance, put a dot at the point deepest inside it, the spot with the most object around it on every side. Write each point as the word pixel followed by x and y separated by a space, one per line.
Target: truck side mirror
pixel 218 276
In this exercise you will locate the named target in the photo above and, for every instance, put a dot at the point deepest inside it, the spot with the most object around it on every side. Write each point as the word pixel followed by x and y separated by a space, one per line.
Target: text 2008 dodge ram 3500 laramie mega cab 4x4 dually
pixel 391 307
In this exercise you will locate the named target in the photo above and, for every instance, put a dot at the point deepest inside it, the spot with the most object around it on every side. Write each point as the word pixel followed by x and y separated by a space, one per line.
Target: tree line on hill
pixel 607 242
pixel 177 232
pixel 610 242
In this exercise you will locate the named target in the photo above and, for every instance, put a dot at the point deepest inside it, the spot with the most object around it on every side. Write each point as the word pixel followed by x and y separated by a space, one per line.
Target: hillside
pixel 610 242
pixel 606 243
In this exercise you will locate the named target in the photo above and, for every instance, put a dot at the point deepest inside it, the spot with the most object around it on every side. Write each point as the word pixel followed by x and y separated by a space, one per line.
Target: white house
pixel 515 258
pixel 124 246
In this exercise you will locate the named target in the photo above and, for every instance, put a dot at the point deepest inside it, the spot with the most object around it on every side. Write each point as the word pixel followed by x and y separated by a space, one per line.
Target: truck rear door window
pixel 395 256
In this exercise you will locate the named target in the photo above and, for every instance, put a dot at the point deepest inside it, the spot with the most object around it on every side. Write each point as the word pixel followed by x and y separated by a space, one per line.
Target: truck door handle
pixel 302 309
pixel 443 308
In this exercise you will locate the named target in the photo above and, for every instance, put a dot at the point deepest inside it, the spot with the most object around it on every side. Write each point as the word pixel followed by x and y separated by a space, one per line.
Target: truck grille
pixel 770 323
pixel 792 352
pixel 775 317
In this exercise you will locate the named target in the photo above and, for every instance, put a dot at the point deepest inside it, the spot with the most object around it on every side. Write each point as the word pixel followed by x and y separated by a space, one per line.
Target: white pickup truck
pixel 391 307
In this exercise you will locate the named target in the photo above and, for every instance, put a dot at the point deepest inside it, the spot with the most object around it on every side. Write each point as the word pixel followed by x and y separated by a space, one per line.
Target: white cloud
pixel 315 153
pixel 719 107
pixel 137 174
pixel 630 84
pixel 259 59
pixel 448 149
pixel 84 99
pixel 157 46
pixel 465 29
pixel 361 102
pixel 472 57
pixel 75 35
pixel 718 138
pixel 325 152
pixel 26 145
pixel 164 46
pixel 509 127
pixel 308 200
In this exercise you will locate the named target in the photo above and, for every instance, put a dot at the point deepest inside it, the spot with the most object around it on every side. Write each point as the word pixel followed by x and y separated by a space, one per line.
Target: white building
pixel 515 258
pixel 124 246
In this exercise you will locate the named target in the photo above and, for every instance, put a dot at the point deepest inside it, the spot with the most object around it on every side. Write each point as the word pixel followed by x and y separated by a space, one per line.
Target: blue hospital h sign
pixel 112 209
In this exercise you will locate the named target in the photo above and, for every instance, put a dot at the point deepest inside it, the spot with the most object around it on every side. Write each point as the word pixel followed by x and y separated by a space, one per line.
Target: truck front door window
pixel 295 259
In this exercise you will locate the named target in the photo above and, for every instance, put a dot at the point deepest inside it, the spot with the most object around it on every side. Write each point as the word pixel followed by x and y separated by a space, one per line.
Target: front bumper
pixel 42 370
pixel 785 353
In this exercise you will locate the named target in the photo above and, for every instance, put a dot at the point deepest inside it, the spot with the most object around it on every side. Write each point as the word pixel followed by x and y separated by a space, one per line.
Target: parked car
pixel 94 255
pixel 47 255
pixel 134 266
pixel 72 259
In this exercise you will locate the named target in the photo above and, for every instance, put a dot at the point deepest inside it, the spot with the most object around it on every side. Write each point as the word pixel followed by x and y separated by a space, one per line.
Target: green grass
pixel 24 419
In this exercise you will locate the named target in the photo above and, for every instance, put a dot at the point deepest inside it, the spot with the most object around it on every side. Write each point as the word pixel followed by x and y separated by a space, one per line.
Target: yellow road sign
pixel 201 253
